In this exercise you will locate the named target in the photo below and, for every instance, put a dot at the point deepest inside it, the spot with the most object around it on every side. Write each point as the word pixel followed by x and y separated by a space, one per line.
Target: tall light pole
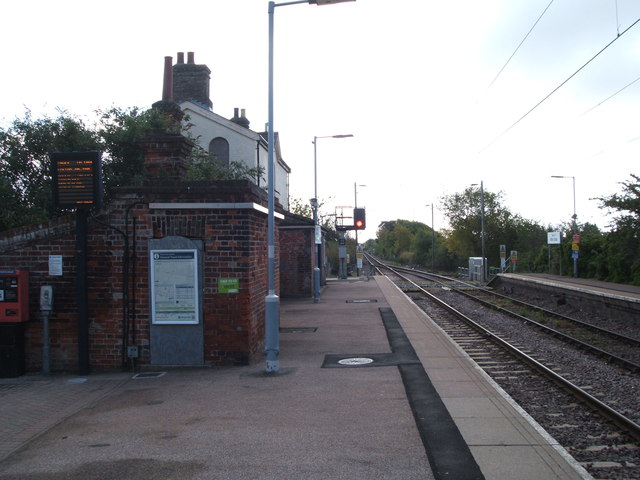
pixel 317 274
pixel 484 266
pixel 433 240
pixel 355 205
pixel 272 302
pixel 574 225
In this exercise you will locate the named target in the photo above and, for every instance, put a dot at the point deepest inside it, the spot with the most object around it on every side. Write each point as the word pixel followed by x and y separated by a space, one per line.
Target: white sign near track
pixel 554 238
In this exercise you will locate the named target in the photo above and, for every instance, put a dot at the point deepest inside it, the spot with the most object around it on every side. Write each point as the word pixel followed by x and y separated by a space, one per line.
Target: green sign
pixel 228 285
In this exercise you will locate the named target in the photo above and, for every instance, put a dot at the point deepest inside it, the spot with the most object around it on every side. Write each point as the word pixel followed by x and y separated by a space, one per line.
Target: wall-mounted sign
pixel 55 265
pixel 228 285
pixel 174 287
pixel 77 179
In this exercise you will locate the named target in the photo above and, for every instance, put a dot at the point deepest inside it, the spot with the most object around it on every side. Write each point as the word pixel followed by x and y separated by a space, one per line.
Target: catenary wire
pixel 520 44
pixel 609 97
pixel 559 86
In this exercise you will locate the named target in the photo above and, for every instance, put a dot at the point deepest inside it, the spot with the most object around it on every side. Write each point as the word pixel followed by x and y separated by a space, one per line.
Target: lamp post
pixel 272 302
pixel 484 266
pixel 317 274
pixel 574 225
pixel 433 240
pixel 355 205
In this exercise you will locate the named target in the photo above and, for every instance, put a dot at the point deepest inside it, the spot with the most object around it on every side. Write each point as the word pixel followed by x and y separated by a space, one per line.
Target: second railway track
pixel 587 404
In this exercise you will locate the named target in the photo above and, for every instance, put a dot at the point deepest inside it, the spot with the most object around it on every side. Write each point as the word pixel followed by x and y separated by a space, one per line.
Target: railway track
pixel 619 348
pixel 588 405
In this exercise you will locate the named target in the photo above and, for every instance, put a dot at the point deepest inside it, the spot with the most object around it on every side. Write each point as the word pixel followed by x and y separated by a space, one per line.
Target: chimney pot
pixel 167 84
pixel 180 57
pixel 190 58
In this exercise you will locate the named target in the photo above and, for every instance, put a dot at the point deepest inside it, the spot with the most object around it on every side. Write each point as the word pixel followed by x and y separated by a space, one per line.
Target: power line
pixel 518 47
pixel 560 86
pixel 608 98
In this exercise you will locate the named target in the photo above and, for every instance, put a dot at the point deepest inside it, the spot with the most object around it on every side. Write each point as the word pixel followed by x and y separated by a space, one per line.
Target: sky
pixel 437 95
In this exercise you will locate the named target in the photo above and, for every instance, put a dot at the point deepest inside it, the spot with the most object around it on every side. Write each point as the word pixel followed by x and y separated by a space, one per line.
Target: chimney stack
pixel 191 81
pixel 240 120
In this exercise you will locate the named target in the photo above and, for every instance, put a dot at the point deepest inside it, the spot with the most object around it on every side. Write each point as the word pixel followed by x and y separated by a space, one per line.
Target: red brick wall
pixel 297 262
pixel 234 246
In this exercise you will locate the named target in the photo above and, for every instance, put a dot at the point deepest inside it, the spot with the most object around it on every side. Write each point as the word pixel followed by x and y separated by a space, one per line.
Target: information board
pixel 77 179
pixel 554 238
pixel 174 287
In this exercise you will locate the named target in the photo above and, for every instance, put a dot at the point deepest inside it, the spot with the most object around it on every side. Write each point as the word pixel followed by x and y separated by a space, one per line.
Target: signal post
pixel 359 223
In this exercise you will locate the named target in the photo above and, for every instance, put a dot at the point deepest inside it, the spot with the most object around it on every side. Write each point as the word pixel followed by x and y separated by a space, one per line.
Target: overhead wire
pixel 609 97
pixel 520 44
pixel 560 86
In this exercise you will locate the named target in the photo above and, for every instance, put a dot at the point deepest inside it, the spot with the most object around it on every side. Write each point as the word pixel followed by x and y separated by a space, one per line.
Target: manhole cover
pixel 149 375
pixel 77 380
pixel 298 329
pixel 355 361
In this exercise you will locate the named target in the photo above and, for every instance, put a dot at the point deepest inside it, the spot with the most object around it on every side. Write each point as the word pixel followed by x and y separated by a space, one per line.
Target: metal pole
pixel 316 268
pixel 355 205
pixel 433 242
pixel 46 345
pixel 484 266
pixel 82 290
pixel 574 226
pixel 272 302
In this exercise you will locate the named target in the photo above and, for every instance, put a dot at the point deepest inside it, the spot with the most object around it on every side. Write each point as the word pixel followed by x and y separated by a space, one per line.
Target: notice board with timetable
pixel 174 287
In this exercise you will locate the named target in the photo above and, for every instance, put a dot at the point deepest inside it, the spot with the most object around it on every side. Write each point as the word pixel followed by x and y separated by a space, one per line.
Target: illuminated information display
pixel 77 179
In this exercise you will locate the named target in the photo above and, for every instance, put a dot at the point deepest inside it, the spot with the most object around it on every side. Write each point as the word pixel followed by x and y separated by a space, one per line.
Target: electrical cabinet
pixel 14 298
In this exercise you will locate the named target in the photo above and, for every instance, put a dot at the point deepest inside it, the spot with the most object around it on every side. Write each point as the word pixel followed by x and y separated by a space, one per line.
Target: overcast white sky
pixel 410 79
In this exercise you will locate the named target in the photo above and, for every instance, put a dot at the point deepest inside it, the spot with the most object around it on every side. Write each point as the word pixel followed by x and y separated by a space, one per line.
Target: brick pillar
pixel 165 157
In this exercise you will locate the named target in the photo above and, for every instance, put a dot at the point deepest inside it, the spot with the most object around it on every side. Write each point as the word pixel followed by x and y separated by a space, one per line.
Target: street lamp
pixel 433 240
pixel 272 302
pixel 574 225
pixel 317 274
pixel 484 266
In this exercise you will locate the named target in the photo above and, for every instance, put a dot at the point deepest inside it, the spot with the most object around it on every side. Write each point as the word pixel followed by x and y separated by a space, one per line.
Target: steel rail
pixel 595 328
pixel 611 357
pixel 603 409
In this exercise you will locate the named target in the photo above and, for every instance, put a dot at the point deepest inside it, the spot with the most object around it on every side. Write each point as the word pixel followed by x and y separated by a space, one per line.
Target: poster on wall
pixel 174 287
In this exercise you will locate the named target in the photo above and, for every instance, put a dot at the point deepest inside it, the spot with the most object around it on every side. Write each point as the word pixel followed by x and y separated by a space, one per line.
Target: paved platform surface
pixel 596 287
pixel 306 422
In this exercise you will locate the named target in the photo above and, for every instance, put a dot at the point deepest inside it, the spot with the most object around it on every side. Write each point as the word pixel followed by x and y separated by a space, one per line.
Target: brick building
pixel 220 230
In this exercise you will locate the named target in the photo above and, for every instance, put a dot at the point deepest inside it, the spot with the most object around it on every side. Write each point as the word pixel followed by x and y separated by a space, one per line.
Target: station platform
pixel 595 287
pixel 368 388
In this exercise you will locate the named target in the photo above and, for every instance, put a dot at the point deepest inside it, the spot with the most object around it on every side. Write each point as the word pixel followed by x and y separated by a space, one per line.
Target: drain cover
pixel 149 375
pixel 298 329
pixel 364 300
pixel 355 361
pixel 76 380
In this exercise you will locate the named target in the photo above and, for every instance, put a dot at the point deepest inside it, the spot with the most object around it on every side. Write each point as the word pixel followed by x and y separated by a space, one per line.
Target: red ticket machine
pixel 14 298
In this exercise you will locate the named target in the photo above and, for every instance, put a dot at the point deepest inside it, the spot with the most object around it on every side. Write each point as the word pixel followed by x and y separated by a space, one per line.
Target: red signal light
pixel 359 218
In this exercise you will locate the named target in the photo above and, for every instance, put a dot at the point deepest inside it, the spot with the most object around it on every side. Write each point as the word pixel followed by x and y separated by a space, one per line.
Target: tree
pixel 120 132
pixel 25 167
pixel 619 257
